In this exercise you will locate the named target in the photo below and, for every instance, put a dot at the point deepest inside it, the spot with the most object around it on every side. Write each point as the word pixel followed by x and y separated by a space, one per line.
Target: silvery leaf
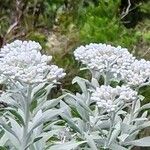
pixel 15 127
pixel 132 136
pixel 18 114
pixel 123 137
pixel 95 82
pixel 4 139
pixel 115 133
pixel 80 101
pixel 36 89
pixel 71 123
pixel 115 146
pixel 143 142
pixel 66 146
pixel 146 106
pixel 137 106
pixel 83 113
pixel 90 141
pixel 14 141
pixel 67 110
pixel 104 124
pixel 81 82
pixel 139 119
pixel 51 103
pixel 9 130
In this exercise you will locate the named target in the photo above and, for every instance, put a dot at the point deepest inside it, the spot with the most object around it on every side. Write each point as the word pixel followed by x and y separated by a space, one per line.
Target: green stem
pixel 26 119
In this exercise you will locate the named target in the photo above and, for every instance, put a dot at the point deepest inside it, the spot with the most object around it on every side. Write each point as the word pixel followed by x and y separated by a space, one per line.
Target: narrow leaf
pixel 143 142
pixel 67 146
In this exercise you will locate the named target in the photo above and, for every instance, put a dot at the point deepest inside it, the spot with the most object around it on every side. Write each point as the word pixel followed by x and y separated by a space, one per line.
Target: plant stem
pixel 106 78
pixel 132 111
pixel 112 118
pixel 26 119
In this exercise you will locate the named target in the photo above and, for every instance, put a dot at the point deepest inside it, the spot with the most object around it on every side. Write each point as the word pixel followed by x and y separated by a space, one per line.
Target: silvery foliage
pixel 105 116
pixel 29 77
pixel 97 117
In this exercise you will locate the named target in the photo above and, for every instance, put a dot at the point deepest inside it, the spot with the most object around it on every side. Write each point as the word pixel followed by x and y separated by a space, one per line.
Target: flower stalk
pixel 27 118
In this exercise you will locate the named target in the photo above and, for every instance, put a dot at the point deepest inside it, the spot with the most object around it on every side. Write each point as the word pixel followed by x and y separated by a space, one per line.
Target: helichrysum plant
pixel 105 114
pixel 28 76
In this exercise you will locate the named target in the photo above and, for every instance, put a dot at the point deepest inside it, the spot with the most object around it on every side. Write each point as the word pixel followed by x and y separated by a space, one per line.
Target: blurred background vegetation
pixel 62 25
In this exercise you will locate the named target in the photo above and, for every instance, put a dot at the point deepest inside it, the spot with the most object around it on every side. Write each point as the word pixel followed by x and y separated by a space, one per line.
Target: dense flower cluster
pixel 115 61
pixel 23 61
pixel 137 73
pixel 110 98
pixel 102 57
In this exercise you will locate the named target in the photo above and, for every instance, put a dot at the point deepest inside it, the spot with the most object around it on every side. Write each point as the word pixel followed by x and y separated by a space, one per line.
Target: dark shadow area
pixel 134 14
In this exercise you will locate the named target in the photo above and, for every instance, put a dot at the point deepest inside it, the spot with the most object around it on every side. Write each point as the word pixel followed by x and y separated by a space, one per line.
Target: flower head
pixel 20 46
pixel 110 98
pixel 102 57
pixel 24 61
pixel 137 73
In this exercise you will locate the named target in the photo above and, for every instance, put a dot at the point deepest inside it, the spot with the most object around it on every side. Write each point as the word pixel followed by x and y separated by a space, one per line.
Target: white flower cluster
pixel 102 57
pixel 137 73
pixel 110 98
pixel 126 94
pixel 115 61
pixel 24 61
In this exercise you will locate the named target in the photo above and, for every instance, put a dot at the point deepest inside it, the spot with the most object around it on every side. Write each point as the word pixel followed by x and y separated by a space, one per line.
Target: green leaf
pixel 143 142
pixel 67 146
pixel 3 148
